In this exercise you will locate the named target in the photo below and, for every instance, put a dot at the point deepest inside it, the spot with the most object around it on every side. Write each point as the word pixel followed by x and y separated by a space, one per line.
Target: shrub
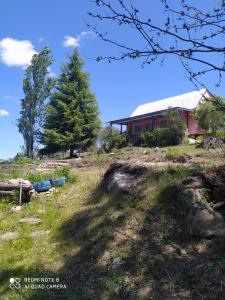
pixel 161 137
pixel 220 134
pixel 200 138
pixel 172 153
pixel 62 172
pixel 110 138
pixel 209 117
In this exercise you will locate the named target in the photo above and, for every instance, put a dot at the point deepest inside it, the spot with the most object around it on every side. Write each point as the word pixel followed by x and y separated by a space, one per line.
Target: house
pixel 149 116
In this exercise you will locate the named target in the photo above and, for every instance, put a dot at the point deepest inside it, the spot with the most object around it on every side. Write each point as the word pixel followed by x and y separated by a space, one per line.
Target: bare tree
pixel 194 34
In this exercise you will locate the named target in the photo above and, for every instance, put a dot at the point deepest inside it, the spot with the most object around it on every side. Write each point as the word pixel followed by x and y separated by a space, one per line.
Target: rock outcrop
pixel 197 202
pixel 123 177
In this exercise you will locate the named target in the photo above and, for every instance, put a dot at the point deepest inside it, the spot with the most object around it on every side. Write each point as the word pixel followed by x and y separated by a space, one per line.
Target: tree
pixel 110 137
pixel 191 31
pixel 72 115
pixel 209 117
pixel 37 86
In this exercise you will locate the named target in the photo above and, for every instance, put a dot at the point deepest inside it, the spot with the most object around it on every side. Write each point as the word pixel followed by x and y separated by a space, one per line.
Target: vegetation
pixel 162 137
pixel 37 86
pixel 209 117
pixel 111 138
pixel 88 230
pixel 71 121
pixel 61 172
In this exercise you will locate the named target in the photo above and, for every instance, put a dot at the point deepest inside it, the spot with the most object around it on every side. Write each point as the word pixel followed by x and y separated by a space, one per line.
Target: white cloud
pixel 8 97
pixel 51 73
pixel 16 52
pixel 70 41
pixel 3 113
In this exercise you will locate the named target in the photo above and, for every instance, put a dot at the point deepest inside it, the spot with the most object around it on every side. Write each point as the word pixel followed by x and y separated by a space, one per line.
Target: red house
pixel 149 116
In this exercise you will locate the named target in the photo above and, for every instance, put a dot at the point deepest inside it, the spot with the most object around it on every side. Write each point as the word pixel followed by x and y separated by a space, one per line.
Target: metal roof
pixel 187 101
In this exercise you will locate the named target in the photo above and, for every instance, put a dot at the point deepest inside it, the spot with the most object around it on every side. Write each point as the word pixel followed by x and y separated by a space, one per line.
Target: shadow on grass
pixel 158 261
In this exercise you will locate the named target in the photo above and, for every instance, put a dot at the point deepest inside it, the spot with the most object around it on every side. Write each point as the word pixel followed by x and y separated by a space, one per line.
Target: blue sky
pixel 26 26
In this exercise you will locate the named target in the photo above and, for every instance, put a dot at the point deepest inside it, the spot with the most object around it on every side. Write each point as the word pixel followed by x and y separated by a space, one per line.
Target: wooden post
pixel 21 185
pixel 121 128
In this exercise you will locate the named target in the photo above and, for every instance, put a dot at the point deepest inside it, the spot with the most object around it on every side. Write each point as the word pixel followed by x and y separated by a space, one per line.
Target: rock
pixel 145 291
pixel 41 211
pixel 183 252
pixel 191 141
pixel 16 209
pixel 145 152
pixel 11 235
pixel 207 224
pixel 30 220
pixel 33 192
pixel 117 262
pixel 219 205
pixel 123 177
pixel 191 204
pixel 212 143
pixel 193 182
pixel 169 249
pixel 159 257
pixel 39 233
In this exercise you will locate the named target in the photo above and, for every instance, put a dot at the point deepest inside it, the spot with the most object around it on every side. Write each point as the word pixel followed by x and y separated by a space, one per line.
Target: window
pixel 137 129
pixel 163 123
pixel 155 125
pixel 149 127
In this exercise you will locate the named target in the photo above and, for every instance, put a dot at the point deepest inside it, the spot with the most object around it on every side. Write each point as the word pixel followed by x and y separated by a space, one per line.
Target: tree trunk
pixel 71 152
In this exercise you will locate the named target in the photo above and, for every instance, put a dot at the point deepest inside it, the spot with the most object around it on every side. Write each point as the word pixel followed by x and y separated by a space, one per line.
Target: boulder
pixel 30 220
pixel 207 223
pixel 11 235
pixel 212 143
pixel 16 208
pixel 190 201
pixel 117 262
pixel 123 177
pixel 39 233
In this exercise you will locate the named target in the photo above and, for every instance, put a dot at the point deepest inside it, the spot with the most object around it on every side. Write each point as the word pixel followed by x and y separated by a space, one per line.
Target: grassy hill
pixel 112 245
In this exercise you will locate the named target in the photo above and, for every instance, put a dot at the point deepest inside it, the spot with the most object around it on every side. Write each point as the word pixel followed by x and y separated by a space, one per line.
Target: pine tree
pixel 37 86
pixel 72 114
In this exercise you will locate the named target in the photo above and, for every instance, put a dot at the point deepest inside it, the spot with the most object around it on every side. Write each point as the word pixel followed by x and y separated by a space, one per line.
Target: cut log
pixel 14 184
pixel 10 186
pixel 9 193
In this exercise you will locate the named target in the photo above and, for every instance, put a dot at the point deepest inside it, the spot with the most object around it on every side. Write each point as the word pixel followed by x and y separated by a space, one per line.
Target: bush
pixel 220 134
pixel 161 137
pixel 172 153
pixel 111 138
pixel 62 172
pixel 209 117
pixel 200 138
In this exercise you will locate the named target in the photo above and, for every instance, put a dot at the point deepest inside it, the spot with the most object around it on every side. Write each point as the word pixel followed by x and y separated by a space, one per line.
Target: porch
pixel 148 122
